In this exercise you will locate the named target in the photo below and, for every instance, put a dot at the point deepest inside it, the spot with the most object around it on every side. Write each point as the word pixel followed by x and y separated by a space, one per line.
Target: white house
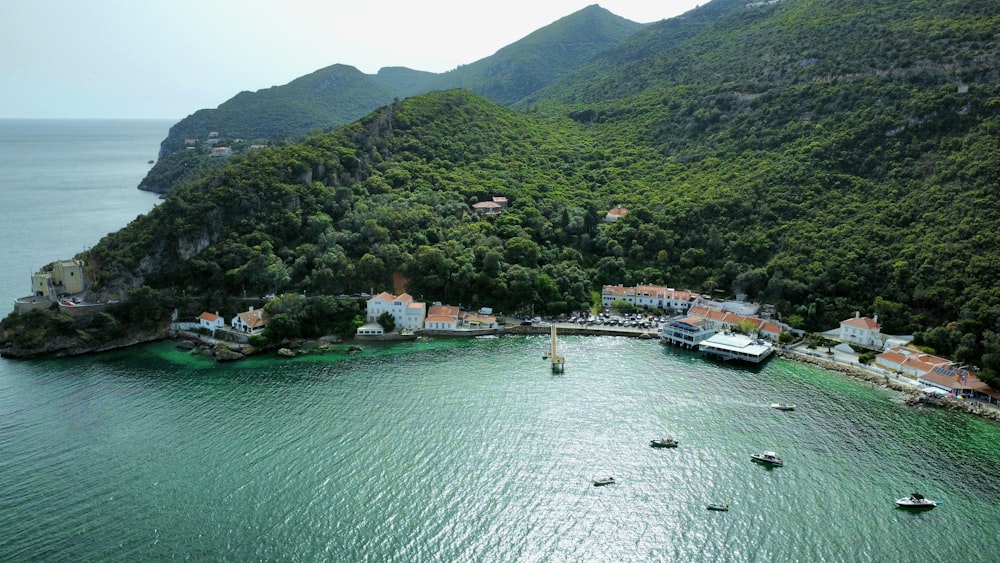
pixel 648 296
pixel 211 321
pixel 442 317
pixel 407 313
pixel 253 321
pixel 909 362
pixel 862 331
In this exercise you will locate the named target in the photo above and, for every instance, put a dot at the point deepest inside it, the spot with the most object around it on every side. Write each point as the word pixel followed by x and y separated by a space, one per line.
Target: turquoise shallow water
pixel 471 450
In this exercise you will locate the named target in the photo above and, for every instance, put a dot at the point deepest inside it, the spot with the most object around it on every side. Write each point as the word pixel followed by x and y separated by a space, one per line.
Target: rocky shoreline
pixel 230 351
pixel 913 395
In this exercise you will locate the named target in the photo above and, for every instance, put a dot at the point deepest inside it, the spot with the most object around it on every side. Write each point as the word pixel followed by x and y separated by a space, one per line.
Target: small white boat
pixel 720 506
pixel 916 500
pixel 768 458
pixel 783 406
pixel 604 481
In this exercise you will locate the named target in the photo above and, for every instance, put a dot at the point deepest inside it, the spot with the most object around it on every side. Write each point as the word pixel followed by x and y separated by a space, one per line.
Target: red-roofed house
pixel 862 331
pixel 907 361
pixel 211 321
pixel 406 312
pixel 959 381
pixel 725 320
pixel 648 296
pixel 442 317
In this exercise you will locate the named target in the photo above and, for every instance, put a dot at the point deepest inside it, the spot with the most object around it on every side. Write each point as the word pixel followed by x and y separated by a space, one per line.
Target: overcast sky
pixel 169 58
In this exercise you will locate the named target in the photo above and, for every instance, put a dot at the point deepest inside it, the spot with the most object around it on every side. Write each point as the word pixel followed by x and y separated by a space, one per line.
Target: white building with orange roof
pixel 442 317
pixel 451 318
pixel 960 382
pixel 648 296
pixel 211 321
pixel 862 331
pixel 724 320
pixel 407 313
pixel 909 362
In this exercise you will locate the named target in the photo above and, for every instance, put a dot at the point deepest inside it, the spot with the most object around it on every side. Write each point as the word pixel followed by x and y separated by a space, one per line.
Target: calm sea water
pixel 64 185
pixel 471 450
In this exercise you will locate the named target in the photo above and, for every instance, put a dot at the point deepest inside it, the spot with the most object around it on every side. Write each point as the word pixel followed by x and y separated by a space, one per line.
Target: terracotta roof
pixel 734 319
pixel 862 322
pixel 892 355
pixel 442 310
pixel 913 358
pixel 953 379
pixel 440 319
pixel 385 296
pixel 210 317
pixel 254 319
pixel 618 212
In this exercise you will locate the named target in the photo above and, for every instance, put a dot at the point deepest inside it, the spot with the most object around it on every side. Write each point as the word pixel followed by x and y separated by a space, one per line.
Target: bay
pixel 446 449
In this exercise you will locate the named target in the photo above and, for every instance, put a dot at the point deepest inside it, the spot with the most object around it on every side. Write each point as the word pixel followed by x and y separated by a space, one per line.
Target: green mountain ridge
pixel 823 158
pixel 336 95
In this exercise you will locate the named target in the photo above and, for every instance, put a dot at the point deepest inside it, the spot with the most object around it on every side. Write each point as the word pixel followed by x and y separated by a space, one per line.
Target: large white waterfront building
pixel 731 346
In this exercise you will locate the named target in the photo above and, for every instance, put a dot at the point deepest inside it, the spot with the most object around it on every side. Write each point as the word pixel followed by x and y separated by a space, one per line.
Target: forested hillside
pixel 827 157
pixel 339 94
pixel 823 157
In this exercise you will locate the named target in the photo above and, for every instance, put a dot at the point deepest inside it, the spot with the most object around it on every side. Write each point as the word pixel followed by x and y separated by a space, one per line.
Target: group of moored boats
pixel 770 458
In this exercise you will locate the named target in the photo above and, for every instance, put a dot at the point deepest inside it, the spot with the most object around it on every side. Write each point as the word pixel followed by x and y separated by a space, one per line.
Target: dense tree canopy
pixel 823 158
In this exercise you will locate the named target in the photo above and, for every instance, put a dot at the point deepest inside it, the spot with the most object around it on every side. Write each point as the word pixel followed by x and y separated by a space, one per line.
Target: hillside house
pixel 862 331
pixel 909 362
pixel 488 208
pixel 252 321
pixel 211 321
pixel 442 317
pixel 407 313
pixel 666 298
pixel 615 214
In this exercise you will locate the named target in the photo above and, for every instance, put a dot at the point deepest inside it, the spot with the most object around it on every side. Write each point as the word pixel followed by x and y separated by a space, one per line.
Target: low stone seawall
pixel 913 394
pixel 855 372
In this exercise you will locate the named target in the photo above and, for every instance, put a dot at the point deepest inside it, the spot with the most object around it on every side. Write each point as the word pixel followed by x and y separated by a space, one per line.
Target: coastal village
pixel 728 330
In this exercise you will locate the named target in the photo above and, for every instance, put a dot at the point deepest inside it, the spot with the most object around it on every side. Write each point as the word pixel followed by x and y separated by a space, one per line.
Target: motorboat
pixel 720 506
pixel 916 500
pixel 768 458
pixel 783 406
pixel 663 443
pixel 604 481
